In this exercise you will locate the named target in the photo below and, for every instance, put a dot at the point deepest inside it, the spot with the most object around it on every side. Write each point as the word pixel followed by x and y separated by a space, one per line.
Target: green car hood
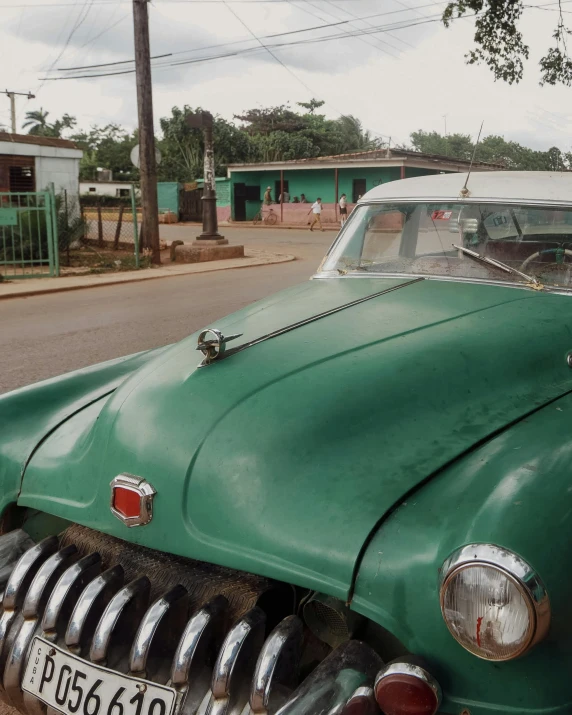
pixel 282 458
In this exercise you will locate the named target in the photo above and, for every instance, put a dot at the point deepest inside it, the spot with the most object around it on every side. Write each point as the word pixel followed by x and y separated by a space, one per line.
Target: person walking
pixel 316 211
pixel 267 196
pixel 343 204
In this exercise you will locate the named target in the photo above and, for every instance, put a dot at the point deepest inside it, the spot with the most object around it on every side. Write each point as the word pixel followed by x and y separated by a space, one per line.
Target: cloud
pixel 392 95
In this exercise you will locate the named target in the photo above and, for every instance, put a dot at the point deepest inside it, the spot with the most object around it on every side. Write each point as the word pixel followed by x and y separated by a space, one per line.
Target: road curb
pixel 137 278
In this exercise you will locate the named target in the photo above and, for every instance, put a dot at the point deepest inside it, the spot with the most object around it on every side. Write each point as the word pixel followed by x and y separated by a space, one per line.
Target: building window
pixel 22 178
pixel 92 188
pixel 123 193
pixel 253 193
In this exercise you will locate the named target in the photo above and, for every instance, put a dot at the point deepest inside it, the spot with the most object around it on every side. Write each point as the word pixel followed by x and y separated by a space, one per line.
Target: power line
pixel 290 71
pixel 109 64
pixel 238 42
pixel 346 32
pixel 249 50
pixel 82 15
pixel 352 24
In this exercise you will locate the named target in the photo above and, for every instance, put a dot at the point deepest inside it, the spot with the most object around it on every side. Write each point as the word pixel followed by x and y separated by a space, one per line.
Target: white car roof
pixel 542 187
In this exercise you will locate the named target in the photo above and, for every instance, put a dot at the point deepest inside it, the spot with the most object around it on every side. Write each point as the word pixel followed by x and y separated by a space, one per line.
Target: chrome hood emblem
pixel 132 499
pixel 212 344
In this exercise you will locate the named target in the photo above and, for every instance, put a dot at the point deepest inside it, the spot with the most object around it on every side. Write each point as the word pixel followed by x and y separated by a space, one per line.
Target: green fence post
pixel 135 227
pixel 49 227
pixel 55 229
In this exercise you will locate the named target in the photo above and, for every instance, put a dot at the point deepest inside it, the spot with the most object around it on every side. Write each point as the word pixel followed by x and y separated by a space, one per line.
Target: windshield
pixel 419 238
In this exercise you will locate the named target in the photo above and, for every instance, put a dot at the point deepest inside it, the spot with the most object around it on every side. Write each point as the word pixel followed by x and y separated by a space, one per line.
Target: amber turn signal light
pixel 402 688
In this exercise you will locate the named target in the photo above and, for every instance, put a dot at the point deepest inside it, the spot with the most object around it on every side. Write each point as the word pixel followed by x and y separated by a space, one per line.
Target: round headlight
pixel 493 603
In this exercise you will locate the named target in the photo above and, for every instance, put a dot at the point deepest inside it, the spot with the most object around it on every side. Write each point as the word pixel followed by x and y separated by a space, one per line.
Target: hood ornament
pixel 212 344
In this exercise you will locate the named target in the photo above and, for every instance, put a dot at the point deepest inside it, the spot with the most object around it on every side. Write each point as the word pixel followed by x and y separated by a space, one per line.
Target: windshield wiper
pixel 496 264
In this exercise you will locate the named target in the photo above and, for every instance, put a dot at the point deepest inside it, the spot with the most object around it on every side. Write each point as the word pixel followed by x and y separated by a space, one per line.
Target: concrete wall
pixel 52 165
pixel 223 192
pixel 168 196
pixel 62 172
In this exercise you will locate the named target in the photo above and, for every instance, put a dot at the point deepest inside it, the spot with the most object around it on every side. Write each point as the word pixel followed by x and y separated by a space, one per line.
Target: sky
pixel 395 81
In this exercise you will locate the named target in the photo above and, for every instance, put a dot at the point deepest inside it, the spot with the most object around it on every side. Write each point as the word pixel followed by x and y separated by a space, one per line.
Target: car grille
pixel 227 641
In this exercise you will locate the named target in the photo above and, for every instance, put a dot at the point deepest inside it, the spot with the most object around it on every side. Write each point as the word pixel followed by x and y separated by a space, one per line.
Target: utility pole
pixel 147 161
pixel 12 96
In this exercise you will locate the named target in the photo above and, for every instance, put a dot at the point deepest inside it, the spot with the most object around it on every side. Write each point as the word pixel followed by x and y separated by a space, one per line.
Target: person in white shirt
pixel 343 204
pixel 316 212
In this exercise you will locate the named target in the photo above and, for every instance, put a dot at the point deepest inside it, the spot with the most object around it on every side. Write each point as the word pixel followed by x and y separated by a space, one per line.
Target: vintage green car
pixel 351 497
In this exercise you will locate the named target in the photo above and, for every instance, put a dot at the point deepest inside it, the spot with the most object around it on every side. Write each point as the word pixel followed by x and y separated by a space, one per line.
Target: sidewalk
pixel 40 286
pixel 249 224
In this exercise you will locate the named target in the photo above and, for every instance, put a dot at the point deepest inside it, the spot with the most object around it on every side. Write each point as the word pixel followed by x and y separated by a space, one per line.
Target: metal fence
pixel 28 235
pixel 115 227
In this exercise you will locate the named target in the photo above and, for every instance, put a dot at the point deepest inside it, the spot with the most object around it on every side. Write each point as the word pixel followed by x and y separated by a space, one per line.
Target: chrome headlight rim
pixel 522 576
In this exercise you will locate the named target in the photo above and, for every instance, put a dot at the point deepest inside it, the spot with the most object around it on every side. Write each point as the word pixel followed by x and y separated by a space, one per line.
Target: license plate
pixel 74 686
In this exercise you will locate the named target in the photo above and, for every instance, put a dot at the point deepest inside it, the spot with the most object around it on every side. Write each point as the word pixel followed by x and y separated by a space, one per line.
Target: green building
pixel 329 177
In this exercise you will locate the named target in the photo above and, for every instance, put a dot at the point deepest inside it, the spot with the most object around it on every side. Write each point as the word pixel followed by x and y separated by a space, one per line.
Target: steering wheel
pixel 562 251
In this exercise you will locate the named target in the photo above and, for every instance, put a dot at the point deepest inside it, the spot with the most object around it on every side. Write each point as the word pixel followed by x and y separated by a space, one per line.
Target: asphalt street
pixel 47 335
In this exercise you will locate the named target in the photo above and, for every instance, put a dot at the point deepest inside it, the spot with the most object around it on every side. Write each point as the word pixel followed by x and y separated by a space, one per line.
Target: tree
pixel 271 119
pixel 493 149
pixel 501 46
pixel 354 136
pixel 182 148
pixel 312 105
pixel 458 146
pixel 108 147
pixel 37 121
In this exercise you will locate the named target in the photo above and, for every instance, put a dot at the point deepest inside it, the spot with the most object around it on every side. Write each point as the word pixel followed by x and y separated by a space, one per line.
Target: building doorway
pixel 277 190
pixel 191 205
pixel 359 189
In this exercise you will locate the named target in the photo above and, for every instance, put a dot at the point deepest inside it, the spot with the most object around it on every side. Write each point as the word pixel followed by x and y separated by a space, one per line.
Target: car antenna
pixel 465 191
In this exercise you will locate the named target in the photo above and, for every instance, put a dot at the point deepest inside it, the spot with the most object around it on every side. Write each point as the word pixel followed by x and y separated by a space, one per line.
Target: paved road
pixel 47 335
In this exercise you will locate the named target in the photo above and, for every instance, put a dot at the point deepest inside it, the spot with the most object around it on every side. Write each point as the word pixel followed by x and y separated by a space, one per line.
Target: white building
pixel 30 163
pixel 117 189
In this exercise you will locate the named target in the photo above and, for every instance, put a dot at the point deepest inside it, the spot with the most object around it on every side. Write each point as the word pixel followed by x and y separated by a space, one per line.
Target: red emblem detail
pixel 126 501
pixel 132 499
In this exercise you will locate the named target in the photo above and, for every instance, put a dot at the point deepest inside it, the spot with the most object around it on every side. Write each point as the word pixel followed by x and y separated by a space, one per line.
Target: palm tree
pixel 355 137
pixel 37 120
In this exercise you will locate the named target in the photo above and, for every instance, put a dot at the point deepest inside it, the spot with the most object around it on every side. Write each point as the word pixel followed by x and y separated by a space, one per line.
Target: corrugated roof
pixel 377 154
pixel 39 141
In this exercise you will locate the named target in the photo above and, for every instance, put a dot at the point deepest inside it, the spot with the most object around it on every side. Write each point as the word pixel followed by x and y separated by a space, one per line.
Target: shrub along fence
pixel 29 223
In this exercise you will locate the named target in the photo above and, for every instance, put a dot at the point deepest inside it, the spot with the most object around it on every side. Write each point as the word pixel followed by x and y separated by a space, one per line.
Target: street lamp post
pixel 204 121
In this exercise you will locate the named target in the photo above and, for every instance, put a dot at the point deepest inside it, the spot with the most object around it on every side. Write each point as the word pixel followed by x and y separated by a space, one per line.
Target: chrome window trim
pixel 524 577
pixel 468 200
pixel 325 275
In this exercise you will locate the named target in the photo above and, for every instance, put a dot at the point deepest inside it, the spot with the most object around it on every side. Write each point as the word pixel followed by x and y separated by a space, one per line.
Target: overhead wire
pixel 288 69
pixel 249 50
pixel 379 43
pixel 346 32
pixel 238 42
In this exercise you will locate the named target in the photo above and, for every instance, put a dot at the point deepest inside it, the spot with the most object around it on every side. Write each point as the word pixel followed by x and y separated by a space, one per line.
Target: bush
pixel 93 200
pixel 30 237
